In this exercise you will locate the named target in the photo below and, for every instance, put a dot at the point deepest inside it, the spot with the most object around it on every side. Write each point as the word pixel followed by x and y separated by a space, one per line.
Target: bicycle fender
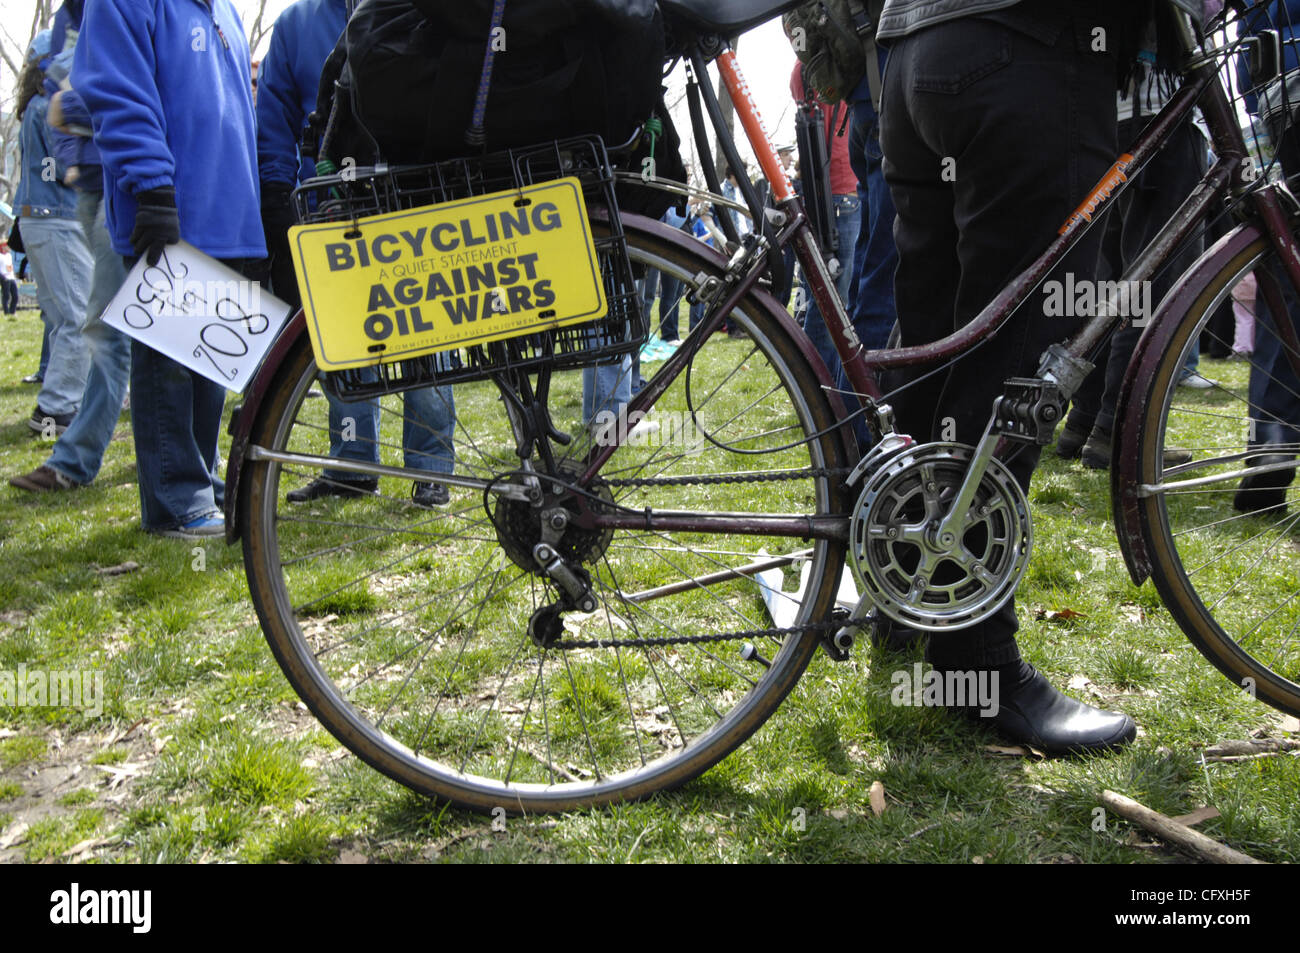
pixel 1125 465
pixel 241 421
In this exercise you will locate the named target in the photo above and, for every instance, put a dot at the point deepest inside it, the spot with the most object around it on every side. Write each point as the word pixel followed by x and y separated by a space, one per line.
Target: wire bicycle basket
pixel 356 193
pixel 1257 45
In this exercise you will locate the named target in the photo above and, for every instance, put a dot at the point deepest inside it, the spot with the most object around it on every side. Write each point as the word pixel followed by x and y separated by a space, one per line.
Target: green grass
pixel 230 768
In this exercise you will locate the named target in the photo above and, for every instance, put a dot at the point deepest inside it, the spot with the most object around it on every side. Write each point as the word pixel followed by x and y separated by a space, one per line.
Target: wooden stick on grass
pixel 1195 842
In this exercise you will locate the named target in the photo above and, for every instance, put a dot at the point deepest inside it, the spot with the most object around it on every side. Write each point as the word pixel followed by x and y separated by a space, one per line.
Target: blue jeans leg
pixel 1274 406
pixel 176 416
pixel 670 296
pixel 45 348
pixel 873 303
pixel 848 213
pixel 62 266
pixel 79 453
pixel 607 387
pixel 428 426
pixel 354 432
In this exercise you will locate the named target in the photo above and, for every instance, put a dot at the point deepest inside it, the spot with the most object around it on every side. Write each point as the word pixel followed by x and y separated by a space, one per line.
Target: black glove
pixel 156 223
pixel 277 216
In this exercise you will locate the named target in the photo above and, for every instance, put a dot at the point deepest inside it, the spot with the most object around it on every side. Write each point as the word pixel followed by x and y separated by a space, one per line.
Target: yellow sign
pixel 393 286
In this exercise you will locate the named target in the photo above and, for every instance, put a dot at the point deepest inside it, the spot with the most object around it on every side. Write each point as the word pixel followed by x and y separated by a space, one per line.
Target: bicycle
pixel 583 624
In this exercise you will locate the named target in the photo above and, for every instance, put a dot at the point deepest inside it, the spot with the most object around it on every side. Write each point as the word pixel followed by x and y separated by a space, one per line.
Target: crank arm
pixel 956 518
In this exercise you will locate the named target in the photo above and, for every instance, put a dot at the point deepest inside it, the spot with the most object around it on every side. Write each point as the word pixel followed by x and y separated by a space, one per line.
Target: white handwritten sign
pixel 199 313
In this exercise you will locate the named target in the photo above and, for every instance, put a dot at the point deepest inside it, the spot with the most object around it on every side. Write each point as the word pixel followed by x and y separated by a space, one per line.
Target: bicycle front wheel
pixel 407 630
pixel 1219 505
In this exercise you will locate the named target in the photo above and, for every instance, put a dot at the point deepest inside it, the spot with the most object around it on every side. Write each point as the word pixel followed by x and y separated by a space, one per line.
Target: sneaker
pixel 204 527
pixel 1197 382
pixel 42 422
pixel 34 379
pixel 1264 491
pixel 1073 437
pixel 1096 452
pixel 324 486
pixel 42 479
pixel 430 494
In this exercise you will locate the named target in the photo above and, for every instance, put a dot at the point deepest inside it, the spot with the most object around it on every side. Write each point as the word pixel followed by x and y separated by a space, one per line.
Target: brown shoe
pixel 41 479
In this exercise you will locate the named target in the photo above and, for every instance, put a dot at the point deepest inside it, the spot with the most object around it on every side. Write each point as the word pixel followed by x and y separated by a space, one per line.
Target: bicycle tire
pixel 738 696
pixel 1198 536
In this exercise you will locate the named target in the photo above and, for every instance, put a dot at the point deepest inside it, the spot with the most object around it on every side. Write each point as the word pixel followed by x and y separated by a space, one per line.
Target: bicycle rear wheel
pixel 1223 527
pixel 407 630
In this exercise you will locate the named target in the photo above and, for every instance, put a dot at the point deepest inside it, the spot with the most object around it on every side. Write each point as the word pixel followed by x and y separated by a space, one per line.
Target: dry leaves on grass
pixel 1057 615
pixel 877 798
pixel 1015 751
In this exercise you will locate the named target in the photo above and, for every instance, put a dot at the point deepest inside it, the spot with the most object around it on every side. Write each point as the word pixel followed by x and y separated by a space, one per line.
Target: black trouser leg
pixel 978 198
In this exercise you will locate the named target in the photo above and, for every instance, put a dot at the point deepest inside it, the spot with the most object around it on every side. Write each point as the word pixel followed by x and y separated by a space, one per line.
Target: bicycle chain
pixel 730 478
pixel 700 639
pixel 729 636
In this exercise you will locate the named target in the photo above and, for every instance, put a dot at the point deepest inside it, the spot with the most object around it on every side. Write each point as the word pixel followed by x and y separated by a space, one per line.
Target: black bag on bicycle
pixel 409 73
pixel 558 71
pixel 815 173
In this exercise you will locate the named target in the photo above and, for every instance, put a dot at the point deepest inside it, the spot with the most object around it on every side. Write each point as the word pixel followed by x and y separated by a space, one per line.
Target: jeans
pixel 176 416
pixel 876 257
pixel 848 214
pixel 10 289
pixel 62 267
pixel 973 88
pixel 44 363
pixel 669 292
pixel 428 426
pixel 1273 387
pixel 79 453
pixel 670 296
pixel 606 387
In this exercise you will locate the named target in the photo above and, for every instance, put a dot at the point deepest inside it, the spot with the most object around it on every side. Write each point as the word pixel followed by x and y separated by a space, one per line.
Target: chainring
pixel 898 560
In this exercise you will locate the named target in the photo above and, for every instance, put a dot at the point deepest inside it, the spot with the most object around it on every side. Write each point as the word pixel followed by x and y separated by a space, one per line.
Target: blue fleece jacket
pixel 287 82
pixel 169 89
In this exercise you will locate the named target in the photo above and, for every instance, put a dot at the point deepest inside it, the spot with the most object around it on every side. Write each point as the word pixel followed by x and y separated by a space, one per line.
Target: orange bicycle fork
pixel 820 282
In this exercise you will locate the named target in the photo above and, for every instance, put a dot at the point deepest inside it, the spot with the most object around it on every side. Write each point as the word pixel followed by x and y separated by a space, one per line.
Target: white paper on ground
pixel 200 313
pixel 782 606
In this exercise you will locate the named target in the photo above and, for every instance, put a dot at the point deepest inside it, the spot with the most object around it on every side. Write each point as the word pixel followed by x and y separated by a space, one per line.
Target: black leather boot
pixel 1034 713
pixel 1264 491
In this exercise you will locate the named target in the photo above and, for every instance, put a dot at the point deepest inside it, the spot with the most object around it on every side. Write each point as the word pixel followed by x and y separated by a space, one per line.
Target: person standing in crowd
pixel 1149 201
pixel 8 282
pixel 786 155
pixel 288 79
pixel 875 257
pixel 966 80
pixel 79 453
pixel 168 88
pixel 848 211
pixel 55 243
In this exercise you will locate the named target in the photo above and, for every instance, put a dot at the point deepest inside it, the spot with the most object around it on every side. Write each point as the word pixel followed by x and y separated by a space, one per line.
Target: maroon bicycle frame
pixel 1232 172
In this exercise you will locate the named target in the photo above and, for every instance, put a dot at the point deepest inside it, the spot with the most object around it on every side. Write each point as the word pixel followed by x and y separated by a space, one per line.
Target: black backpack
pixel 561 68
